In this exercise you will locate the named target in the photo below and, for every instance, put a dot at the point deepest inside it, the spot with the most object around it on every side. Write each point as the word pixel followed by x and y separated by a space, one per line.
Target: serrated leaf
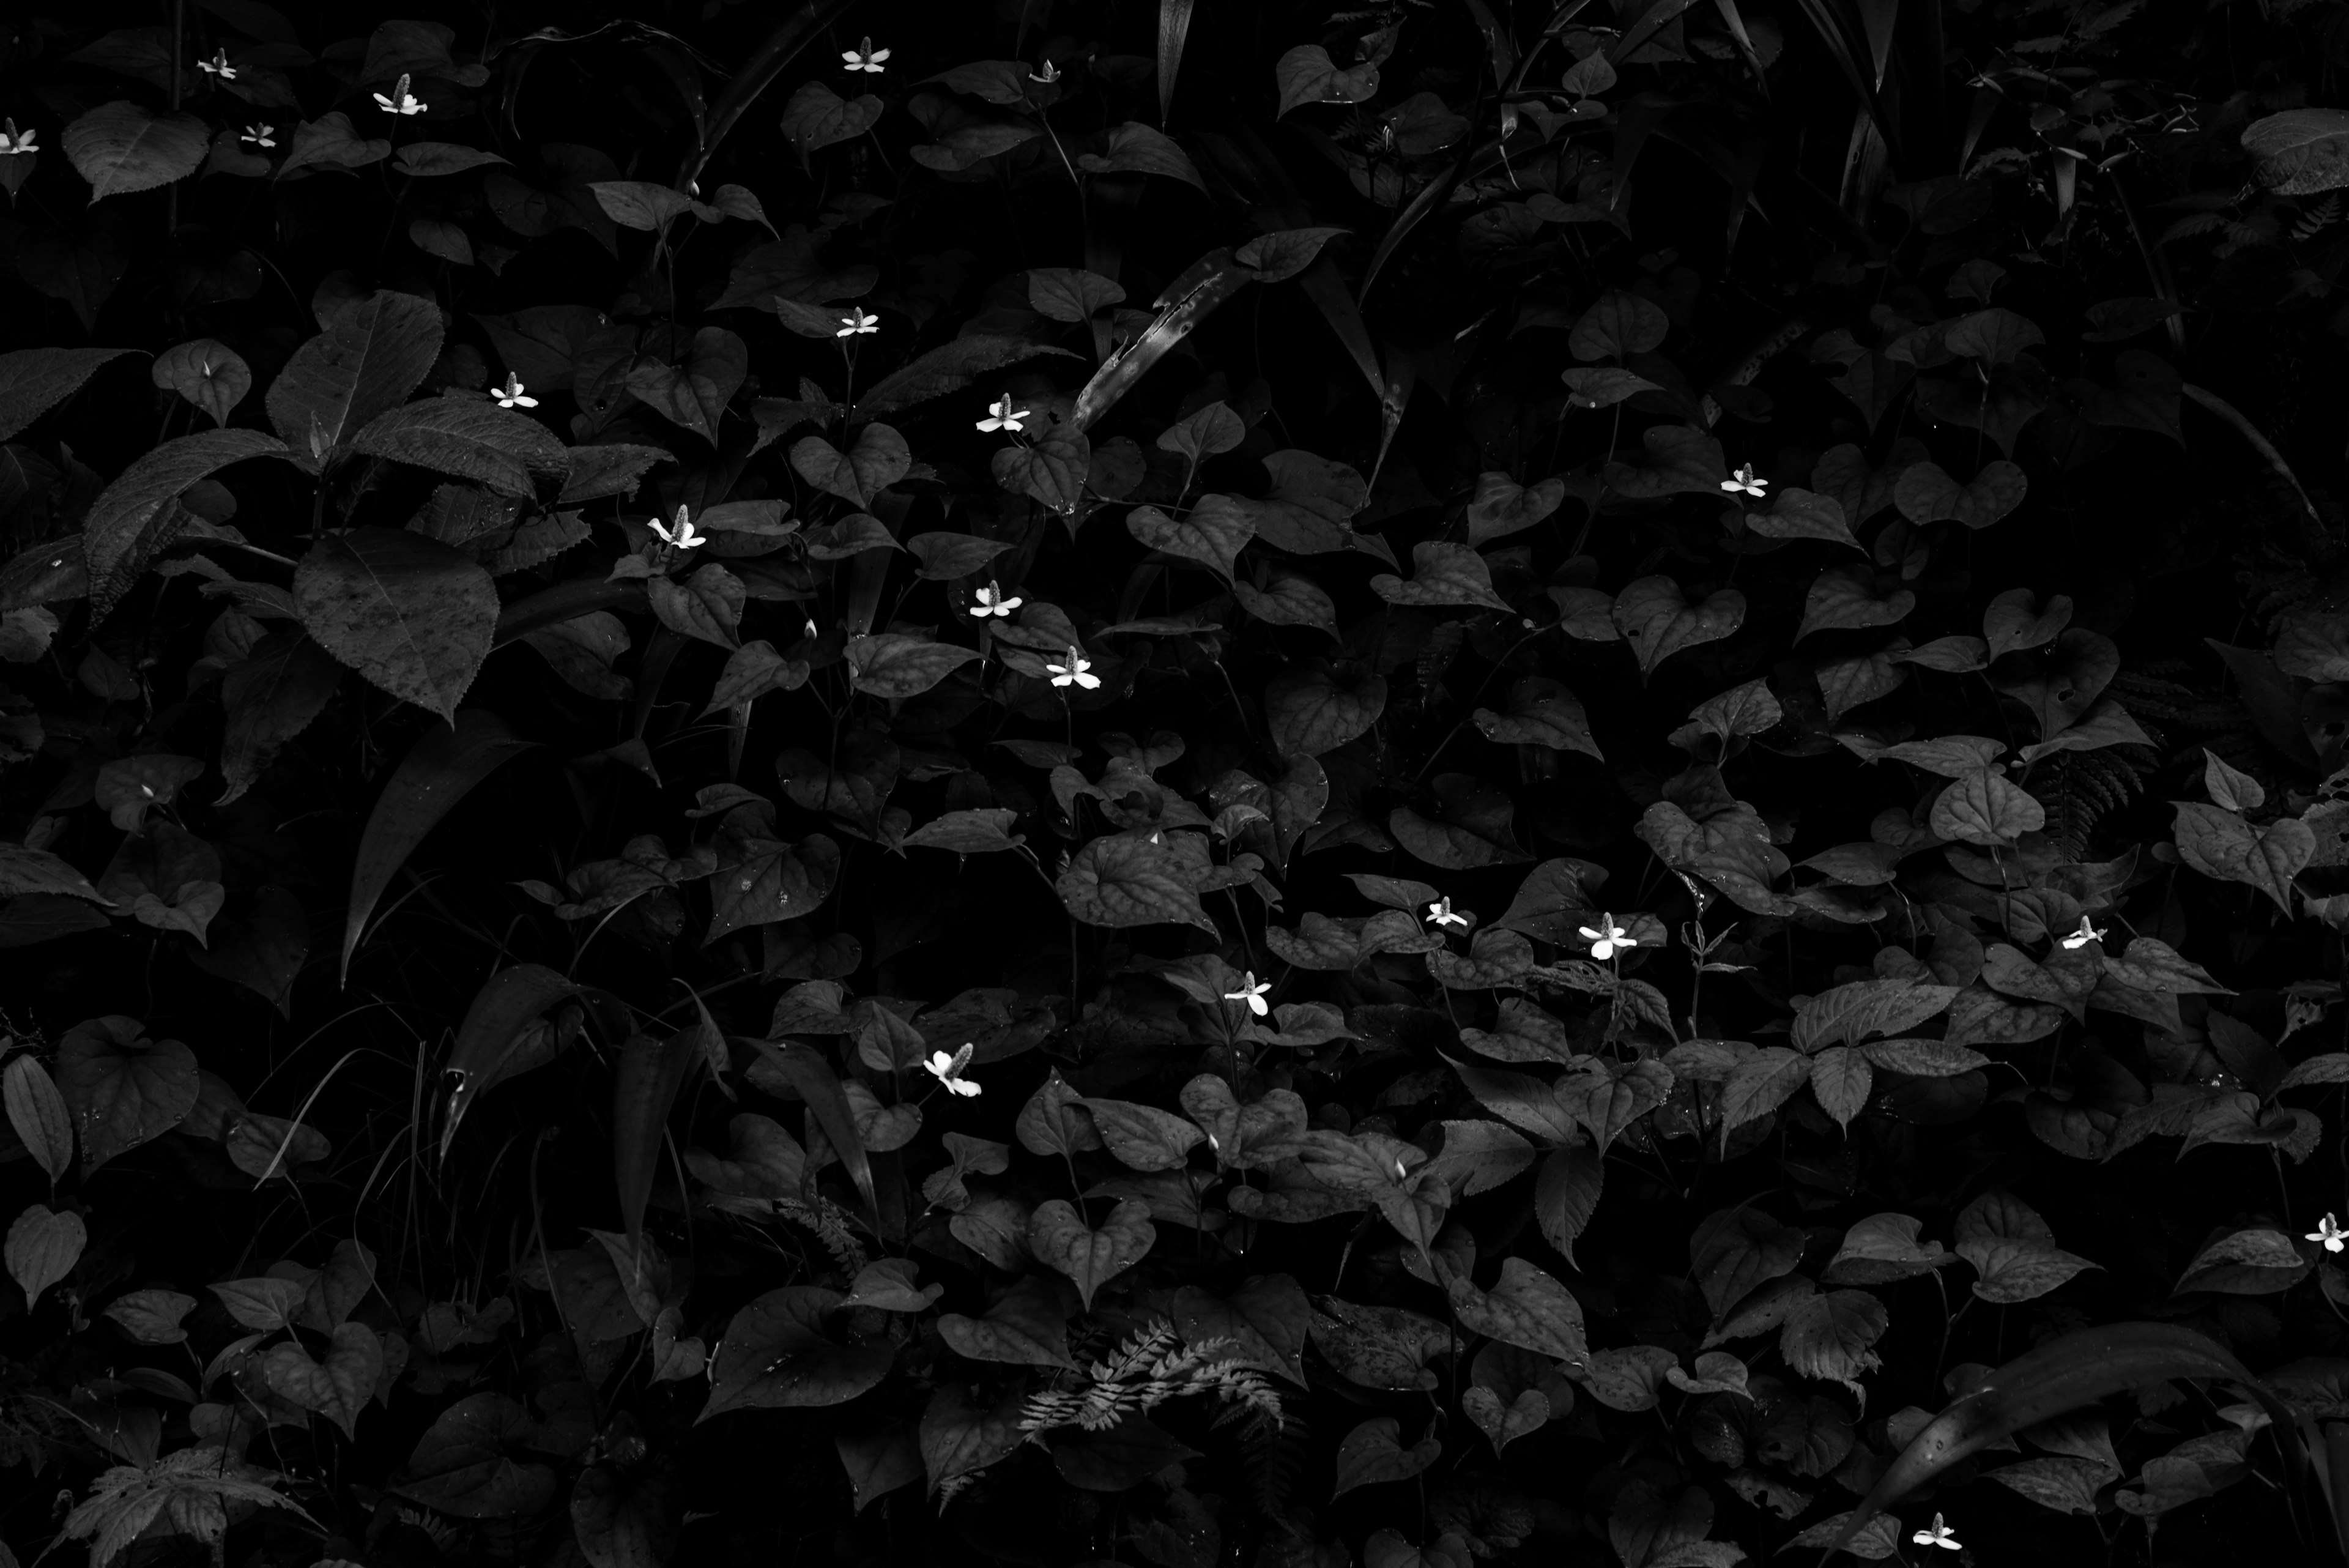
pixel 414 615
pixel 120 148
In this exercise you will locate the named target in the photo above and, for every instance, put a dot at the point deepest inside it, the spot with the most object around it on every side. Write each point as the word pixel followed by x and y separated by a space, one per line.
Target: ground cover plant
pixel 1192 783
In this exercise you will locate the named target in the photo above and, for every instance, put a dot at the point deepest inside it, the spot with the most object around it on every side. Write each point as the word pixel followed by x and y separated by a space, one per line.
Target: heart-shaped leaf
pixel 1307 74
pixel 1313 706
pixel 1802 515
pixel 1441 574
pixel 1502 506
pixel 1212 533
pixel 1373 1455
pixel 42 1248
pixel 208 373
pixel 817 117
pixel 123 1089
pixel 1848 597
pixel 2017 621
pixel 1926 493
pixel 783 1351
pixel 1542 713
pixel 694 391
pixel 1657 620
pixel 877 459
pixel 337 1387
pixel 1126 879
pixel 1061 1240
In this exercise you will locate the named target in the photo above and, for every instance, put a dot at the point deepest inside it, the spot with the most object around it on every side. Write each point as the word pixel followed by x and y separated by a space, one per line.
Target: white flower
pixel 864 57
pixel 509 396
pixel 1744 479
pixel 1048 73
pixel 1002 416
pixel 685 538
pixel 857 321
pixel 1939 1536
pixel 1439 914
pixel 948 1070
pixel 401 100
pixel 218 65
pixel 2083 937
pixel 1251 991
pixel 14 142
pixel 2329 1232
pixel 992 600
pixel 259 135
pixel 1074 672
pixel 1608 938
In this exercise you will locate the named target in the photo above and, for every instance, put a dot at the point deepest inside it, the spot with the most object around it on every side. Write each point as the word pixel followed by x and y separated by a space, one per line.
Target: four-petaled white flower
pixel 992 600
pixel 401 100
pixel 1439 914
pixel 864 57
pixel 218 65
pixel 684 538
pixel 857 321
pixel 948 1070
pixel 509 396
pixel 259 135
pixel 1075 671
pixel 1609 938
pixel 2329 1233
pixel 1048 73
pixel 14 142
pixel 1251 991
pixel 1002 416
pixel 2083 937
pixel 1939 1536
pixel 1743 481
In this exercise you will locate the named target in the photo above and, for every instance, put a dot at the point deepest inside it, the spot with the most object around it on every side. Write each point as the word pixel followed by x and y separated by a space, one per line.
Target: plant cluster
pixel 1135 781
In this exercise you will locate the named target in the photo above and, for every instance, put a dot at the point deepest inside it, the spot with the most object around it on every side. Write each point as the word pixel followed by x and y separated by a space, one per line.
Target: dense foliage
pixel 1130 781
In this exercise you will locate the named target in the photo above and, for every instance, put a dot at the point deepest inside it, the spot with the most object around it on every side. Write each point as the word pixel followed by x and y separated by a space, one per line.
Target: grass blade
pixel 439 770
pixel 812 1078
pixel 1830 29
pixel 2065 1373
pixel 1174 28
pixel 1878 19
pixel 744 88
pixel 507 1004
pixel 643 1090
pixel 1212 280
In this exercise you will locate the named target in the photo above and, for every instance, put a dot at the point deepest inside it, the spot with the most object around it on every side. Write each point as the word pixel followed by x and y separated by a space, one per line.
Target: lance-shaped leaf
pixel 439 770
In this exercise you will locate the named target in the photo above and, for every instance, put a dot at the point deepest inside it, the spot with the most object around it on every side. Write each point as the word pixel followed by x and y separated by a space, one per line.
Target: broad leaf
pixel 412 615
pixel 370 357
